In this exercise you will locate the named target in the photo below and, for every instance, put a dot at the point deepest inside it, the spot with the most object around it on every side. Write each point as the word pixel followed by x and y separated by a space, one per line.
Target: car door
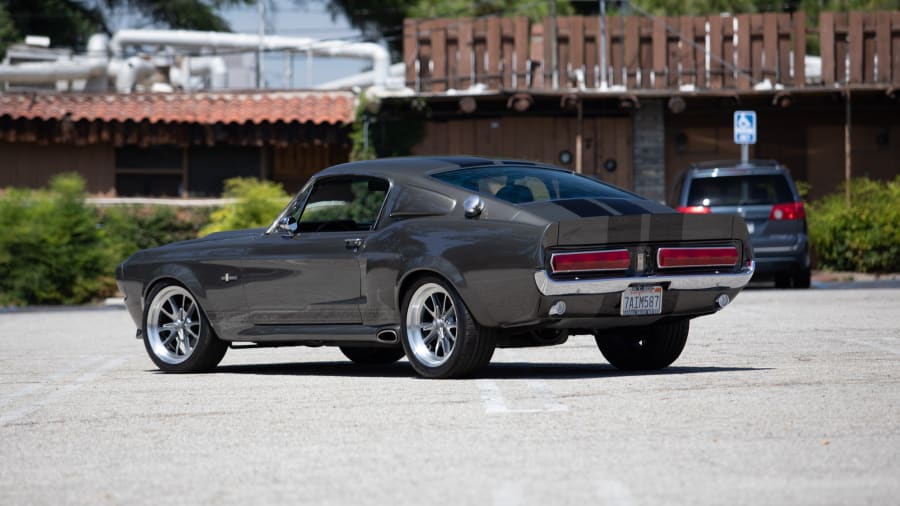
pixel 314 275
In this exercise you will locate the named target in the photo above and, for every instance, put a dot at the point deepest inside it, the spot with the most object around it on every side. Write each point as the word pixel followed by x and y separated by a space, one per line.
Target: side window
pixel 343 204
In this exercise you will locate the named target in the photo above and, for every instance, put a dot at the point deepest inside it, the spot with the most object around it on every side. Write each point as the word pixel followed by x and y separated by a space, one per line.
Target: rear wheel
pixel 177 334
pixel 439 336
pixel 644 348
pixel 372 356
pixel 802 279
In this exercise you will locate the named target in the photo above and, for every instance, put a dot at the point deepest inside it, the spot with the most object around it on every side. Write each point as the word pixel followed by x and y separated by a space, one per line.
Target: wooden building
pixel 509 87
pixel 172 144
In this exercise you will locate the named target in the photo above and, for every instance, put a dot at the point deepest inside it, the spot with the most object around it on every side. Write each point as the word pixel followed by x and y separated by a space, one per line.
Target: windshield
pixel 519 185
pixel 739 191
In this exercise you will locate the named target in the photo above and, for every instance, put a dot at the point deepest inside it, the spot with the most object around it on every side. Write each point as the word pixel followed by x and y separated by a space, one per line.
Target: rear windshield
pixel 739 191
pixel 520 185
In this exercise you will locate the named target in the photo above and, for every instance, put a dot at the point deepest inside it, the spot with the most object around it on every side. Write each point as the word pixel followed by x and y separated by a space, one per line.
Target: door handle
pixel 353 244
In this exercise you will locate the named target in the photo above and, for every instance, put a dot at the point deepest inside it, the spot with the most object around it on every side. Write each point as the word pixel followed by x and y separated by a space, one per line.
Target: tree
pixel 69 23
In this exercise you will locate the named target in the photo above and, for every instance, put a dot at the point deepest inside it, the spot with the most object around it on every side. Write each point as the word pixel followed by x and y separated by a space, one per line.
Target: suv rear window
pixel 739 191
pixel 520 185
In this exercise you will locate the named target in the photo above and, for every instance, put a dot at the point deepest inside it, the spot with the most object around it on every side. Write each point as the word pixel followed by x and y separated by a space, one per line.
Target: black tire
pixel 372 356
pixel 644 348
pixel 801 279
pixel 433 313
pixel 783 280
pixel 173 314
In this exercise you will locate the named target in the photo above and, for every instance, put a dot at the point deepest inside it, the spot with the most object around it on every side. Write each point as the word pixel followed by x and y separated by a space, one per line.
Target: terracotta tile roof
pixel 204 108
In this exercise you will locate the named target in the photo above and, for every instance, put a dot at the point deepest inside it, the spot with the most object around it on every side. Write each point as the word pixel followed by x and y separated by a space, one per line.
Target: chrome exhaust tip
pixel 722 301
pixel 387 336
pixel 558 309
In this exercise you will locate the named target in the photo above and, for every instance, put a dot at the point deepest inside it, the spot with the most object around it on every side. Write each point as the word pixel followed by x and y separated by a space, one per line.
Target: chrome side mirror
pixel 473 206
pixel 287 226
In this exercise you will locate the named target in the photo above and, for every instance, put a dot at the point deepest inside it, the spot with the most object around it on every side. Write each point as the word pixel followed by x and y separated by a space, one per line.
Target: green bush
pixel 51 250
pixel 255 204
pixel 127 229
pixel 864 237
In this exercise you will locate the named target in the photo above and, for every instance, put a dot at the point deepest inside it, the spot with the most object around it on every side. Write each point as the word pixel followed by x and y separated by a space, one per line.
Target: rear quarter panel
pixel 491 264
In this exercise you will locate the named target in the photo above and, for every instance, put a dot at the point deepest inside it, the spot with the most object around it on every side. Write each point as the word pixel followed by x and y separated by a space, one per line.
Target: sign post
pixel 745 132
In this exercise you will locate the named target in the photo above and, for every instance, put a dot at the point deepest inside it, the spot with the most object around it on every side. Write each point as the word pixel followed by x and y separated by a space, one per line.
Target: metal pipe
pixel 197 39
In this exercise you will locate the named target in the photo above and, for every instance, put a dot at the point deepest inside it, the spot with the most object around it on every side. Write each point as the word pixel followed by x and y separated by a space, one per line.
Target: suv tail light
pixel 693 209
pixel 611 260
pixel 668 258
pixel 788 211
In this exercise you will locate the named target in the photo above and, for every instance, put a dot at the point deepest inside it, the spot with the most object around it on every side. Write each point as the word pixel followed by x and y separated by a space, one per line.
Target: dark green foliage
pixel 51 251
pixel 69 23
pixel 127 229
pixel 862 237
pixel 391 132
pixel 254 203
pixel 56 249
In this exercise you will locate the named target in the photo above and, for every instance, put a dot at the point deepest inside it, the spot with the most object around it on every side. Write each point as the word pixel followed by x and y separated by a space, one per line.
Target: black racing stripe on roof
pixel 626 206
pixel 583 208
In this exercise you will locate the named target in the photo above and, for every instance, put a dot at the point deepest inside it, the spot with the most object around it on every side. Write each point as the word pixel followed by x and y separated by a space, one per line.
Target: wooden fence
pixel 662 53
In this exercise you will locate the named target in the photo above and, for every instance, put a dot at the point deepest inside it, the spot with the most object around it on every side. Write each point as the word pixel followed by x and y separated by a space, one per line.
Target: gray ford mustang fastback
pixel 442 259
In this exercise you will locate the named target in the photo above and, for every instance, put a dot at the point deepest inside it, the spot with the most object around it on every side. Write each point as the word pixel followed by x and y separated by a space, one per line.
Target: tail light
pixel 586 261
pixel 669 258
pixel 788 211
pixel 693 209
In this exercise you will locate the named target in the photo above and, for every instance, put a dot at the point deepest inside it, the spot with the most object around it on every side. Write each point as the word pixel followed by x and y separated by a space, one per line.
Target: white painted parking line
pixel 493 401
pixel 491 397
pixel 31 407
pixel 542 390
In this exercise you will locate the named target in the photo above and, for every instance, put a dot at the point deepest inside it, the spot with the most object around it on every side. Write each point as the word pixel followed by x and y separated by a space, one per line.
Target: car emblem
pixel 229 277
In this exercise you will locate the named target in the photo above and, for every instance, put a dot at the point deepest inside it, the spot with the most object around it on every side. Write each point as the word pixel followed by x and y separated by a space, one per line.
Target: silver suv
pixel 763 193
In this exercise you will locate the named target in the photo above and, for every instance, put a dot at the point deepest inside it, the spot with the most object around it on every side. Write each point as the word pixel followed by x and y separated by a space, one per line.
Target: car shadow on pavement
pixel 500 370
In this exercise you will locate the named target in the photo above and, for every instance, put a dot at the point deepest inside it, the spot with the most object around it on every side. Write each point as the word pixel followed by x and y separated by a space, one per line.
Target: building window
pixel 156 171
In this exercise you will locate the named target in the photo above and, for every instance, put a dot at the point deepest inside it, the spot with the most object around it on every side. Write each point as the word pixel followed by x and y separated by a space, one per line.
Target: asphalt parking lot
pixel 786 397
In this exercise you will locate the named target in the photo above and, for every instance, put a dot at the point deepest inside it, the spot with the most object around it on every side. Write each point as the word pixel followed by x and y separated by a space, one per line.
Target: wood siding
pixel 32 165
pixel 662 53
pixel 538 138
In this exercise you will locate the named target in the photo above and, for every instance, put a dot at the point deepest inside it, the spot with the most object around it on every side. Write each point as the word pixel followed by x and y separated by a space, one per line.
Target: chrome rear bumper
pixel 728 280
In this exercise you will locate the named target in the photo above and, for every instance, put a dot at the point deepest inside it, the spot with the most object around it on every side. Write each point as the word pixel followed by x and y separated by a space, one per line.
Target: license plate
pixel 641 300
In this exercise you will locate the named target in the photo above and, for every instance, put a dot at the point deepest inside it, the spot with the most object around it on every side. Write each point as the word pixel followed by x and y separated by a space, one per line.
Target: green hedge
pixel 57 249
pixel 51 249
pixel 862 237
pixel 254 203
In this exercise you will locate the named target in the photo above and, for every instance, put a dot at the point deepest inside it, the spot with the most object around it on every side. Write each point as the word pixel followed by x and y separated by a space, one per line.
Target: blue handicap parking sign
pixel 745 127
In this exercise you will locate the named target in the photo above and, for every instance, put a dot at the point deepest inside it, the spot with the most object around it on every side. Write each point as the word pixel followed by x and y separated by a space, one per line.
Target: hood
pixel 221 236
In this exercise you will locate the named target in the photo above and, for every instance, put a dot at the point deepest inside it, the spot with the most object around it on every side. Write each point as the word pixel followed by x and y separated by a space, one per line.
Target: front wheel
pixel 177 334
pixel 439 336
pixel 644 348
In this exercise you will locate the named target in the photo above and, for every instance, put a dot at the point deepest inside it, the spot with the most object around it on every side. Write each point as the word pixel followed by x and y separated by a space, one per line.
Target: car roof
pixel 413 166
pixel 734 168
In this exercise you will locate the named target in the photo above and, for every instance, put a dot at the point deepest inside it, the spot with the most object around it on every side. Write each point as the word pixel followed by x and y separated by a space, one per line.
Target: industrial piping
pixel 219 40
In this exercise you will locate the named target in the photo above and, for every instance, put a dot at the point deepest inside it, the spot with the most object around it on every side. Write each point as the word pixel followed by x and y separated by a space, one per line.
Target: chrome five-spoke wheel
pixel 177 335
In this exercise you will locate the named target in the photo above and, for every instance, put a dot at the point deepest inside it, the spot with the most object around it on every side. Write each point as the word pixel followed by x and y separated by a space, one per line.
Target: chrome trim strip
pixel 731 280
